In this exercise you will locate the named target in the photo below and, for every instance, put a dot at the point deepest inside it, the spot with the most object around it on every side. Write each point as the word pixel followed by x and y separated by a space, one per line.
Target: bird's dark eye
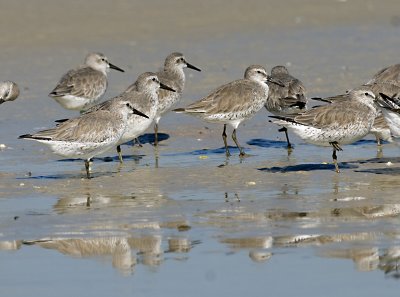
pixel 153 79
pixel 127 104
pixel 367 94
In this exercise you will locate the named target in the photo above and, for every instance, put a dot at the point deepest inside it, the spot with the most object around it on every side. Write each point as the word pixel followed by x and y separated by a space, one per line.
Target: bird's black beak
pixel 135 111
pixel 165 87
pixel 275 81
pixel 192 67
pixel 112 66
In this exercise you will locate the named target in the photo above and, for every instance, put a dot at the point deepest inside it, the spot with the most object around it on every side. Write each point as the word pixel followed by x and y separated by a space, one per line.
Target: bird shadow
pixel 384 170
pixel 283 144
pixel 343 165
pixel 307 167
pixel 367 141
pixel 387 171
pixel 66 176
pixel 149 138
pixel 378 160
pixel 107 159
pixel 216 151
pixel 268 143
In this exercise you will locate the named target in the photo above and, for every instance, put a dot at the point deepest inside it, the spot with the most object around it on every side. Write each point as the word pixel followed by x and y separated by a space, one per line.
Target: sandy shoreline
pixel 46 23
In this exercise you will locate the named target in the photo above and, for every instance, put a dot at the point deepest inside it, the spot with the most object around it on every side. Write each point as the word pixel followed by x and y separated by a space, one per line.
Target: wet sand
pixel 181 219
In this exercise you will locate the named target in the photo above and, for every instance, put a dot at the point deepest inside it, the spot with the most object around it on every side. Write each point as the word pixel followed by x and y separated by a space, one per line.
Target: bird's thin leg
pixel 242 153
pixel 156 134
pixel 284 129
pixel 378 141
pixel 334 157
pixel 87 167
pixel 119 153
pixel 336 147
pixel 379 151
pixel 224 136
pixel 137 141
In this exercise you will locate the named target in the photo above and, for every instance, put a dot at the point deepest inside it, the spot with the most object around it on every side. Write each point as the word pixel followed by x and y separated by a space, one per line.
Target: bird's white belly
pixel 74 102
pixel 323 137
pixel 135 129
pixel 81 150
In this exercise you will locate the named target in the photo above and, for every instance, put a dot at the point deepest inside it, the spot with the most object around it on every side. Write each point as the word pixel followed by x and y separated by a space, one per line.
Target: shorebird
pixel 233 102
pixel 9 91
pixel 286 98
pixel 380 128
pixel 88 135
pixel 80 88
pixel 173 76
pixel 388 74
pixel 143 96
pixel 336 124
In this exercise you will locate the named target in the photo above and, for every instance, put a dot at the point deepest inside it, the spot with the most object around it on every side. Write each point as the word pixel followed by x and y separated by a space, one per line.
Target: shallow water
pixel 181 219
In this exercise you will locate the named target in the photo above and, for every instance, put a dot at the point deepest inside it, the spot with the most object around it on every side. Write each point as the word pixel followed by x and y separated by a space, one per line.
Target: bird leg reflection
pixel 227 198
pixel 87 167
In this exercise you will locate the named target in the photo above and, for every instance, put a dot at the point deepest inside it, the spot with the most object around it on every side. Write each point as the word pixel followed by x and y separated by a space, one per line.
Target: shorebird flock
pixel 373 107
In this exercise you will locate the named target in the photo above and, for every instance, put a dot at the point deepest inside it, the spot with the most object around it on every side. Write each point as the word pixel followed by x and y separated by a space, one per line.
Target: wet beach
pixel 181 218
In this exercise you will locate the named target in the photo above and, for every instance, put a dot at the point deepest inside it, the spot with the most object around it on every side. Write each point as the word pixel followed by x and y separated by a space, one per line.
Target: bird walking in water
pixel 142 95
pixel 88 135
pixel 335 124
pixel 233 102
pixel 380 128
pixel 173 76
pixel 82 87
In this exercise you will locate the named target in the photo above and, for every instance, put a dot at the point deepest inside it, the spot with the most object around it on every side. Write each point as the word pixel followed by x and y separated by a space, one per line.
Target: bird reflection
pixel 149 249
pixel 369 259
pixel 236 197
pixel 116 247
pixel 10 245
pixel 260 256
pixel 180 245
pixel 389 262
pixel 357 212
pixel 125 252
pixel 249 242
pixel 365 259
pixel 259 246
pixel 76 202
pixel 156 157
